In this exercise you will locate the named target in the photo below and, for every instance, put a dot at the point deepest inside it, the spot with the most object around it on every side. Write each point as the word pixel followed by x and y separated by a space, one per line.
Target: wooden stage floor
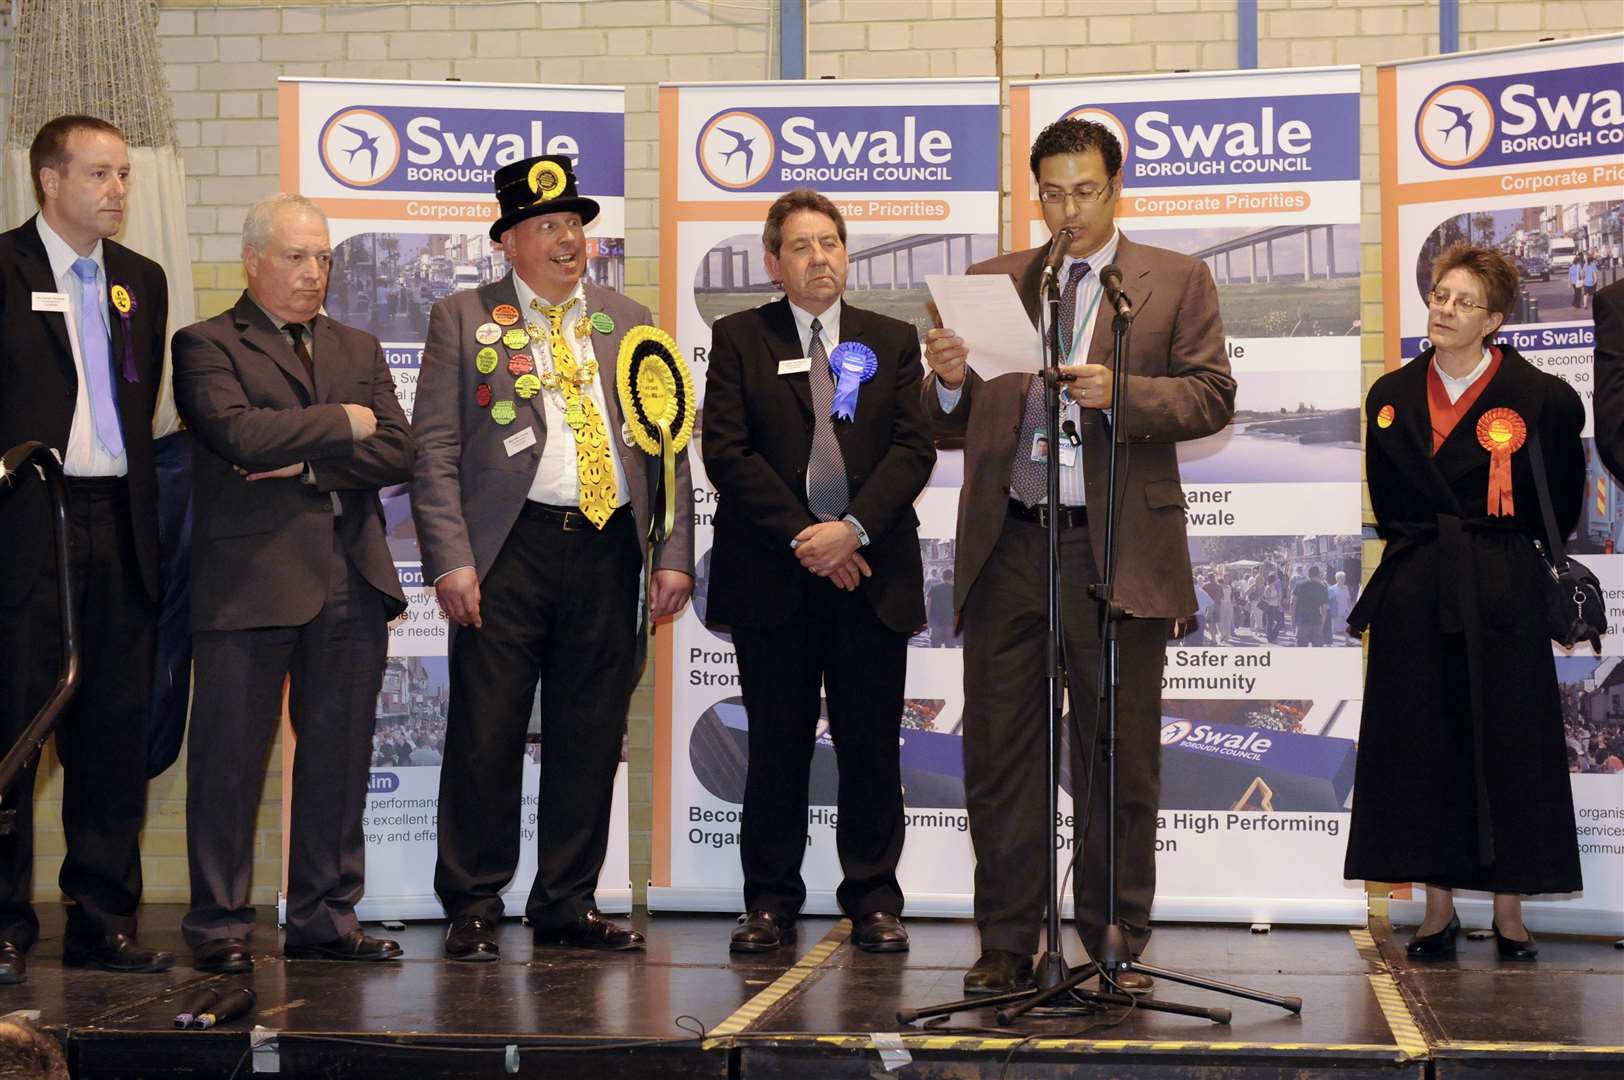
pixel 823 1009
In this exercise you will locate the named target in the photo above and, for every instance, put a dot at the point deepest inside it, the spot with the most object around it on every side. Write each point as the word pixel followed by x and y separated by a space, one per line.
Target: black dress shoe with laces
pixel 355 946
pixel 471 939
pixel 592 931
pixel 223 956
pixel 880 932
pixel 1438 946
pixel 1512 949
pixel 115 952
pixel 998 972
pixel 761 931
pixel 13 964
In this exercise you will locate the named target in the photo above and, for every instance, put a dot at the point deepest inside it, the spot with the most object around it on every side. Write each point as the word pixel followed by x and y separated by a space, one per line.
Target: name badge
pixel 519 440
pixel 795 367
pixel 52 301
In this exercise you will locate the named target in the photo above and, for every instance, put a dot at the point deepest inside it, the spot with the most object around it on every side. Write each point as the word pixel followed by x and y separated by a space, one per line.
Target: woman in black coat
pixel 1462 778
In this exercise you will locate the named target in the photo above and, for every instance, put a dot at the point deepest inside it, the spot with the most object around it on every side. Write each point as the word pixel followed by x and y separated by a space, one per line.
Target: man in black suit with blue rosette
pixel 816 441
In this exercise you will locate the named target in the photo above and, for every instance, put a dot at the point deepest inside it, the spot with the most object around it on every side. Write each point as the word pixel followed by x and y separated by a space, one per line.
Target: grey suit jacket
pixel 261 551
pixel 1178 387
pixel 467 491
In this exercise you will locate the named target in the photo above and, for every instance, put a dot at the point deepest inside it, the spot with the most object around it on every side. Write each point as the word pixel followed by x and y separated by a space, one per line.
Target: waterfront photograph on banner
pixel 1255 174
pixel 404 173
pixel 1518 150
pixel 913 167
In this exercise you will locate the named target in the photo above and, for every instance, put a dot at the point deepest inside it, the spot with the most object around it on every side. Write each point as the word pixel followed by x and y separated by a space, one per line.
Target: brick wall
pixel 222 60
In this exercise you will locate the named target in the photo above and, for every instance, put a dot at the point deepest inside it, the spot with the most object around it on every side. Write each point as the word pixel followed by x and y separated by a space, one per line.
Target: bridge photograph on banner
pixel 403 171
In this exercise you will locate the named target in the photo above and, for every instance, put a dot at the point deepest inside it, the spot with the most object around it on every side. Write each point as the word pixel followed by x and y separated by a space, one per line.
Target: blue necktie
pixel 96 351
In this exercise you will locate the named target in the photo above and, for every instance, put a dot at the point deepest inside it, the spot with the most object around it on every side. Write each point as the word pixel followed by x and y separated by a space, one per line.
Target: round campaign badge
pixel 517 337
pixel 602 323
pixel 482 395
pixel 503 412
pixel 527 386
pixel 488 334
pixel 505 314
pixel 521 363
pixel 486 360
pixel 123 300
pixel 1384 418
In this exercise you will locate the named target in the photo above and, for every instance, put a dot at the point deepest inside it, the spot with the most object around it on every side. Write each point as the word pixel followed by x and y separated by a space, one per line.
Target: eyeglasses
pixel 1083 195
pixel 1442 300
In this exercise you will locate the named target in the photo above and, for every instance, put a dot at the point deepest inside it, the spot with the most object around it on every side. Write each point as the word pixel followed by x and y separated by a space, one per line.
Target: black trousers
pixel 559 608
pixel 101 738
pixel 334 667
pixel 1005 727
pixel 835 641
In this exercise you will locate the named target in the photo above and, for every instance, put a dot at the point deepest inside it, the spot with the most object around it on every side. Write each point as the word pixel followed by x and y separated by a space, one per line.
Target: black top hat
pixel 538 185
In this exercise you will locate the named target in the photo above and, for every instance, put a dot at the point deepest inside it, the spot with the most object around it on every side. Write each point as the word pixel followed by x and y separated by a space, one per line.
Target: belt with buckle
pixel 567 518
pixel 1070 517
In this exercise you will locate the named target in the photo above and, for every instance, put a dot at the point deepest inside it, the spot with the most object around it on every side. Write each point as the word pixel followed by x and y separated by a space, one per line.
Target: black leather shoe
pixel 761 931
pixel 115 952
pixel 592 931
pixel 1512 949
pixel 998 972
pixel 471 939
pixel 354 945
pixel 1136 983
pixel 223 956
pixel 880 931
pixel 1438 946
pixel 13 965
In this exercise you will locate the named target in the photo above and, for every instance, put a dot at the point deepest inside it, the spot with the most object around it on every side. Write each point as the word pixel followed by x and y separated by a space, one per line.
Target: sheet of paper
pixel 985 311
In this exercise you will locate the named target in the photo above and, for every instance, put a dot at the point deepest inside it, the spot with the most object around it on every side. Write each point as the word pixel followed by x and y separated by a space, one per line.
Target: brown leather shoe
pixel 592 931
pixel 1130 982
pixel 880 931
pixel 761 931
pixel 998 972
pixel 115 952
pixel 223 956
pixel 355 945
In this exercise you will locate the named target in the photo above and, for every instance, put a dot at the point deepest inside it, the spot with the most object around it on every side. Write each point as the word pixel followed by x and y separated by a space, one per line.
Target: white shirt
pixel 1089 293
pixel 1456 387
pixel 84 454
pixel 557 482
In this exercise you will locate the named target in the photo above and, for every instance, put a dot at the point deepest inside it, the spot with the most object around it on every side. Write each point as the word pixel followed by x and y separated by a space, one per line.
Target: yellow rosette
pixel 546 180
pixel 657 399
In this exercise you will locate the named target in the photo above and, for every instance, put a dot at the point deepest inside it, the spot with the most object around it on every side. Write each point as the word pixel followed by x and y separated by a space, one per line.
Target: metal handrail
pixel 14 472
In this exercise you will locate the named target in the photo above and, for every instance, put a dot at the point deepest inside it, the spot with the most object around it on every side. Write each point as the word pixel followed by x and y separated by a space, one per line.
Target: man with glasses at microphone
pixel 1178 387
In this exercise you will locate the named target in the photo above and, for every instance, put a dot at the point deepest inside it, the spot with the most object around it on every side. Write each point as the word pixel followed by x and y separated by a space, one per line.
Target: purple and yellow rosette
pixel 656 392
pixel 124 303
pixel 852 364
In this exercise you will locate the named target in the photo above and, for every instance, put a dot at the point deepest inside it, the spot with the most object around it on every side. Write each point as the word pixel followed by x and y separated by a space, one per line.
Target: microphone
pixel 1056 256
pixel 202 1001
pixel 1069 429
pixel 233 1005
pixel 1111 279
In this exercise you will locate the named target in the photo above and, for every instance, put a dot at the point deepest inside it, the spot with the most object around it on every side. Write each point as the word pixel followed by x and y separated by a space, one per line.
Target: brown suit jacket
pixel 261 551
pixel 1178 387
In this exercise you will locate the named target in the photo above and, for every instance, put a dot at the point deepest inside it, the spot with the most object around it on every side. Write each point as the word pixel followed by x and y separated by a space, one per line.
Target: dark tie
pixel 1028 479
pixel 298 330
pixel 826 493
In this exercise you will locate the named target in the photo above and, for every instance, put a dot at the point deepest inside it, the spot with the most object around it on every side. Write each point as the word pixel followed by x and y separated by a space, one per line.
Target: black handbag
pixel 1574 610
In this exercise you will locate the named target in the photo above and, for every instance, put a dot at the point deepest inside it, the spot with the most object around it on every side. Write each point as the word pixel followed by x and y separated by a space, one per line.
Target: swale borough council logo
pixel 359 147
pixel 1107 120
pixel 1455 125
pixel 736 149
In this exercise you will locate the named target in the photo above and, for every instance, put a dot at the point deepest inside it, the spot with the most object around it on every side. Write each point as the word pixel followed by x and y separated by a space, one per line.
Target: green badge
pixel 602 323
pixel 527 386
pixel 486 360
pixel 503 412
pixel 517 337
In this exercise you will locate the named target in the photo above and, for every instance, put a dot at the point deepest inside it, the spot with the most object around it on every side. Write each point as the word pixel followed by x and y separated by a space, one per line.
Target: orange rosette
pixel 1502 433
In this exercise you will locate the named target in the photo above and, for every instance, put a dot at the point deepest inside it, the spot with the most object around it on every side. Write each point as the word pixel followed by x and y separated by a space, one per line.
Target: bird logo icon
pixel 1455 125
pixel 736 149
pixel 365 144
pixel 359 147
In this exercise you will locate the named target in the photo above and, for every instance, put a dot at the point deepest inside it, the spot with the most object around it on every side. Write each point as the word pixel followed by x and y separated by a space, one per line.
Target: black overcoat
pixel 1462 773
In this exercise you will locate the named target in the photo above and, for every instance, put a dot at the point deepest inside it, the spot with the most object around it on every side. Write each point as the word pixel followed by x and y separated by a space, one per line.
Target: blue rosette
pixel 852 364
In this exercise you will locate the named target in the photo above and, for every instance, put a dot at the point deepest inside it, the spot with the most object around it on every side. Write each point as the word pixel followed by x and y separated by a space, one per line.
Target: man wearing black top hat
pixel 533 511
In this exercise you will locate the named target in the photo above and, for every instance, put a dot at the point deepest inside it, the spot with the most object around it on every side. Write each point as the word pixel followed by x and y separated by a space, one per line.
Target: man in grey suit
pixel 533 513
pixel 297 427
pixel 1178 387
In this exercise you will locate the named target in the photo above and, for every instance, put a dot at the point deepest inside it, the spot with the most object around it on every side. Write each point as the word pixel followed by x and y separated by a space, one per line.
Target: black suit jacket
pixel 38 387
pixel 757 438
pixel 261 550
pixel 1609 400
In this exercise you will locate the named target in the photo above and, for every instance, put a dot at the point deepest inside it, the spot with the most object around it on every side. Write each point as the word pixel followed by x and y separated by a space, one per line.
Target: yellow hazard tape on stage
pixel 1541 1049
pixel 1397 1011
pixel 1368 952
pixel 945 1043
pixel 751 1011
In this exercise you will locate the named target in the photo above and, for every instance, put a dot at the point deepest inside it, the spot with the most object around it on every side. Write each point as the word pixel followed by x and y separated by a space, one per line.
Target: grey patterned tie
pixel 826 492
pixel 1028 479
